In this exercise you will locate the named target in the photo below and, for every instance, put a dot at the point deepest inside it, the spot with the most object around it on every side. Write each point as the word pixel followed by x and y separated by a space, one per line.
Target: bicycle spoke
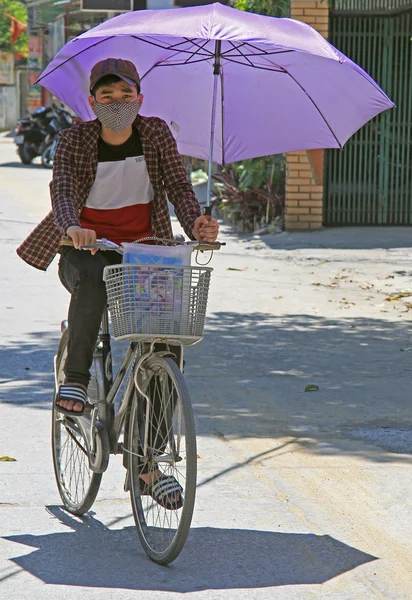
pixel 163 530
pixel 77 483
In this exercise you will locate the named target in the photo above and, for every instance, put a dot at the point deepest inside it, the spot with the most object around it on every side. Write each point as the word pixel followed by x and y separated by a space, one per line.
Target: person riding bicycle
pixel 112 178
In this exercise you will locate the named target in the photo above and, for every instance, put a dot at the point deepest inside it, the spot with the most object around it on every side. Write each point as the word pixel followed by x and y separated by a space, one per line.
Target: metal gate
pixel 369 182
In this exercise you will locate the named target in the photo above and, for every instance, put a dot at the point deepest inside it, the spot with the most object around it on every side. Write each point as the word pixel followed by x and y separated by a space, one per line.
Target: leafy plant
pixel 271 8
pixel 251 193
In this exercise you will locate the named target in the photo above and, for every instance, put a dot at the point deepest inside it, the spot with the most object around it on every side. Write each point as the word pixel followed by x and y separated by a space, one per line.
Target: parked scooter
pixel 35 135
pixel 61 120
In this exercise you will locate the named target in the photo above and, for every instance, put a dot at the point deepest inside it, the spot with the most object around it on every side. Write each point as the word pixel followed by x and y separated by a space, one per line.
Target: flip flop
pixel 77 395
pixel 161 490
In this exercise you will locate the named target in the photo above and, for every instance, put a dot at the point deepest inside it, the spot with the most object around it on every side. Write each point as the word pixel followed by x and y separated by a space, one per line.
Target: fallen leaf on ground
pixel 368 286
pixel 311 388
pixel 398 296
pixel 234 269
pixel 7 459
pixel 277 297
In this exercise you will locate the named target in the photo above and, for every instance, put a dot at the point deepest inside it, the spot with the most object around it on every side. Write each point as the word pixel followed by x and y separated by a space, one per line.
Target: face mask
pixel 116 116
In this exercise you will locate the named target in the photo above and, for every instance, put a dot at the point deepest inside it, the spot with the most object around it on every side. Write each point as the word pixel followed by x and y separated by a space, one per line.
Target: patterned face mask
pixel 116 116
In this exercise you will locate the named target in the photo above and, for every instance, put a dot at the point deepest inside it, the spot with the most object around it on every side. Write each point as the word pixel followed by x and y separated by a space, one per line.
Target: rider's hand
pixel 206 229
pixel 82 237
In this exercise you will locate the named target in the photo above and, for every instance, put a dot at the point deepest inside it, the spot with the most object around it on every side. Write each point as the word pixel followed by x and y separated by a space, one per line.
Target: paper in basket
pixel 159 293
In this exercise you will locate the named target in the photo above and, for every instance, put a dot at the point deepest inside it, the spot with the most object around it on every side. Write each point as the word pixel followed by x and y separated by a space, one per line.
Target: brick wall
pixel 304 169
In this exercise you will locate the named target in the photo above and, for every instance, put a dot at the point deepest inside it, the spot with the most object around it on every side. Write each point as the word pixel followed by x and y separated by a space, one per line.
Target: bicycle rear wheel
pixel 77 483
pixel 171 448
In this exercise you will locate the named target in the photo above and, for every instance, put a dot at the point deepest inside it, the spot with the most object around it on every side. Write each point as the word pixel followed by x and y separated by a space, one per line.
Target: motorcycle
pixel 62 120
pixel 37 134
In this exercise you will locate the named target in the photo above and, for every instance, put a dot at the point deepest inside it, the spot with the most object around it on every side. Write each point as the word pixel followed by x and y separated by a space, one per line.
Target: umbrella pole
pixel 216 74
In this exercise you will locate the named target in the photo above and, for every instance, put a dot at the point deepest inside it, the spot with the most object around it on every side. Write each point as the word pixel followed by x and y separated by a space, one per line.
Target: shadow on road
pixel 19 165
pixel 26 370
pixel 338 238
pixel 92 555
pixel 248 379
pixel 256 368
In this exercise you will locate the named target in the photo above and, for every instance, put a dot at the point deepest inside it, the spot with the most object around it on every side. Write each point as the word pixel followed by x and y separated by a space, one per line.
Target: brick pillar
pixel 304 169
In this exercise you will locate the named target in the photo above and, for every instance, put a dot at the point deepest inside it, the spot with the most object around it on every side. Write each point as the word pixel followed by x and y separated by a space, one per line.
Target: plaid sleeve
pixel 178 187
pixel 63 186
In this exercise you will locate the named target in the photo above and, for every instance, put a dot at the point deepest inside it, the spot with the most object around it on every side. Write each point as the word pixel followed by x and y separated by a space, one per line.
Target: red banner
pixel 16 28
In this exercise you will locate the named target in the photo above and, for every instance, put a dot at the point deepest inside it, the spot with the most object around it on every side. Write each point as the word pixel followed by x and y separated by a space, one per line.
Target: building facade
pixel 368 182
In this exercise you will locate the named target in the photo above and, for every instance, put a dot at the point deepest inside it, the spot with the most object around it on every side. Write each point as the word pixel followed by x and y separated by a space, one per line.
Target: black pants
pixel 81 273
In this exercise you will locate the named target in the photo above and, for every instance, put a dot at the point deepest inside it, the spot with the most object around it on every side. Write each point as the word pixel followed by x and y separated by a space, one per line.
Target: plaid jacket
pixel 74 172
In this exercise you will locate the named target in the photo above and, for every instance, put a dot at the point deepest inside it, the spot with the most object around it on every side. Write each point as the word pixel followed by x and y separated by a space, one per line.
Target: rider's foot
pixel 67 397
pixel 172 498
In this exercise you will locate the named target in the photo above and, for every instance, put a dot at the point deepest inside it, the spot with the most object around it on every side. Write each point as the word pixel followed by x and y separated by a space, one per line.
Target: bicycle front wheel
pixel 77 483
pixel 166 424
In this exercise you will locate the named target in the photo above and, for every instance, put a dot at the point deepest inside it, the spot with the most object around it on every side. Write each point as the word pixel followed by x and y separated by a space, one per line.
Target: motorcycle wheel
pixel 47 157
pixel 26 155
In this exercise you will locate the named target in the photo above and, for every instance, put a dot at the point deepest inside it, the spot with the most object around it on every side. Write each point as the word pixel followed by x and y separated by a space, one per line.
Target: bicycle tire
pixel 163 544
pixel 75 501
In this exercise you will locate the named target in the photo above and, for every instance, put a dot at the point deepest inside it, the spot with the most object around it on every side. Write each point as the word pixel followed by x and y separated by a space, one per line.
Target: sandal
pixel 161 490
pixel 76 394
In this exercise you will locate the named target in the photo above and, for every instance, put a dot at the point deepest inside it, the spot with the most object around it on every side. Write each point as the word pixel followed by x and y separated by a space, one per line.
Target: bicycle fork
pixel 163 458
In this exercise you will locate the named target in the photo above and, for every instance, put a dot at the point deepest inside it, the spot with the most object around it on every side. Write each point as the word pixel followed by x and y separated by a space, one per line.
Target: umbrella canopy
pixel 269 85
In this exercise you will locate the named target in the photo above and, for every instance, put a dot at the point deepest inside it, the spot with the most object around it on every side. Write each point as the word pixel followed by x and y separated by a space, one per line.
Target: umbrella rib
pixel 173 64
pixel 316 106
pixel 274 70
pixel 241 54
pixel 253 54
pixel 171 47
pixel 234 47
pixel 166 63
pixel 265 52
pixel 185 62
pixel 199 47
pixel 259 52
pixel 71 58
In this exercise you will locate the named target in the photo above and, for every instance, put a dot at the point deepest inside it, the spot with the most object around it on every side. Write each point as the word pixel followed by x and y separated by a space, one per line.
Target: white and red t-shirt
pixel 119 205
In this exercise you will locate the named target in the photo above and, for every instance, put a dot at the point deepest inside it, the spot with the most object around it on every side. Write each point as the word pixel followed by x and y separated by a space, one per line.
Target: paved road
pixel 301 495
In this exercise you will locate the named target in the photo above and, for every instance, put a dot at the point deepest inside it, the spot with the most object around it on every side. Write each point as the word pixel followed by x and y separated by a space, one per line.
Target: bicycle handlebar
pixel 103 244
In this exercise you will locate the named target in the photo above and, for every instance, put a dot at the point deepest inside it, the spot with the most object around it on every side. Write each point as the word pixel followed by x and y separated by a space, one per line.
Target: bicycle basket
pixel 147 302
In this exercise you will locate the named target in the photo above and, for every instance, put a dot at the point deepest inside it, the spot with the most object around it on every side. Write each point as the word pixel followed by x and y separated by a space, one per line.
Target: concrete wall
pixel 8 107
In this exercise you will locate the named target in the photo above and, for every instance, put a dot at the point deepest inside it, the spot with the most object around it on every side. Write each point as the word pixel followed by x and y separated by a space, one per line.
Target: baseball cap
pixel 114 66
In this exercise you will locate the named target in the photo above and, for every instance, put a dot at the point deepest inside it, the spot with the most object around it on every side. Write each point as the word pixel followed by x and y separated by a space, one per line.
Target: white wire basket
pixel 148 302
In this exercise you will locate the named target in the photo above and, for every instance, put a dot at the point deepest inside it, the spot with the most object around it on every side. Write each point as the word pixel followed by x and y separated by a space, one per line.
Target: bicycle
pixel 153 411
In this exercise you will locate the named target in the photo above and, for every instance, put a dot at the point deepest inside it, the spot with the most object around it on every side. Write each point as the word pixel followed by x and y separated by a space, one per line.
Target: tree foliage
pixel 15 9
pixel 271 8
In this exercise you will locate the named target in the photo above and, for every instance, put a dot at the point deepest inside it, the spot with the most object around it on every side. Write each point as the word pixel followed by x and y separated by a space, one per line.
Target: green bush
pixel 251 193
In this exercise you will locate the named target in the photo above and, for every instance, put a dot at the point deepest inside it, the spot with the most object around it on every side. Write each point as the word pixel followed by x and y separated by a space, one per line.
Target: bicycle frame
pixel 108 389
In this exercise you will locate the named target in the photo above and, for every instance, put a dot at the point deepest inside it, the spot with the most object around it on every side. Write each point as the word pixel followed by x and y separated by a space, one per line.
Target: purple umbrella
pixel 234 85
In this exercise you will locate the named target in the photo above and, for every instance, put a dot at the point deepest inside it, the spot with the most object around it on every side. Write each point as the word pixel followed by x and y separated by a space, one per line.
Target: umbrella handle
pixel 208 211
